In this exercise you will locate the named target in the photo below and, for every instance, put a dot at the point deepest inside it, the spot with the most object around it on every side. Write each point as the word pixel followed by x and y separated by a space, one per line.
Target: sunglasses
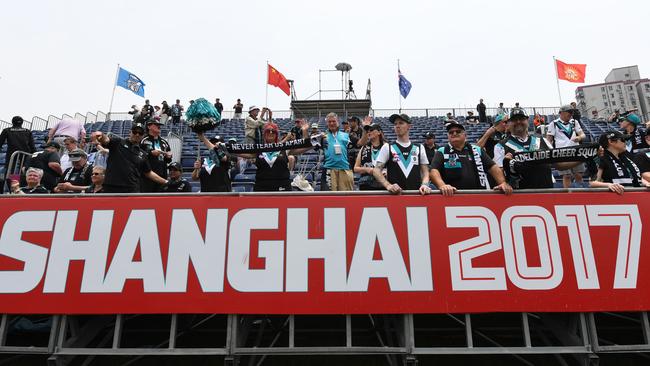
pixel 455 132
pixel 98 174
pixel 614 139
pixel 270 131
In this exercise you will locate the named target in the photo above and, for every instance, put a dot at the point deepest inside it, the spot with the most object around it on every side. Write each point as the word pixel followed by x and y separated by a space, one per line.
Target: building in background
pixel 623 89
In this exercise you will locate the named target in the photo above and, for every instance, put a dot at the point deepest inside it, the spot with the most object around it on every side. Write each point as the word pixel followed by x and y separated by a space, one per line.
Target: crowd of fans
pixel 142 161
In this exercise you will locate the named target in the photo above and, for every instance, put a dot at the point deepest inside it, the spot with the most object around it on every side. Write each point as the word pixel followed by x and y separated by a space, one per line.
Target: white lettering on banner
pixel 240 276
pixel 464 276
pixel 34 256
pixel 584 264
pixel 207 255
pixel 140 229
pixel 331 248
pixel 376 228
pixel 549 273
pixel 577 219
pixel 65 249
pixel 629 239
pixel 214 260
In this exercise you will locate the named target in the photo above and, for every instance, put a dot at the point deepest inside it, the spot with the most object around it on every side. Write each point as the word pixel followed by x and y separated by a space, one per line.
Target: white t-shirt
pixel 561 138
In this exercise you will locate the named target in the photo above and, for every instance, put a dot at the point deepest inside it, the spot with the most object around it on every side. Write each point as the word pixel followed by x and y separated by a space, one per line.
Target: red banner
pixel 574 73
pixel 325 254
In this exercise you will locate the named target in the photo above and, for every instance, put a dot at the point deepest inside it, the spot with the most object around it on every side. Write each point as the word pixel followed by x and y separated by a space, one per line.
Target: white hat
pixel 252 108
pixel 314 125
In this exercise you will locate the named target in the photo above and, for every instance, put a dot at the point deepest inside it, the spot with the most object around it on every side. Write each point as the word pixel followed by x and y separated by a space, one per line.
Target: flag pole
pixel 398 91
pixel 110 107
pixel 557 79
pixel 266 98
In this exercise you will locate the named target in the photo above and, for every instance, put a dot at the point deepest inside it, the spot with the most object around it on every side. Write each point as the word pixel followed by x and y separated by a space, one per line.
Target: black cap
pixel 402 116
pixel 372 127
pixel 450 125
pixel 17 120
pixel 345 122
pixel 518 113
pixel 137 126
pixel 611 134
pixel 152 121
pixel 216 139
pixel 175 166
pixel 53 144
pixel 429 135
pixel 354 118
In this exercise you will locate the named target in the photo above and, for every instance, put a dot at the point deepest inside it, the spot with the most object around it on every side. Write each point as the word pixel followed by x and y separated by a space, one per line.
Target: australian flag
pixel 404 85
pixel 131 82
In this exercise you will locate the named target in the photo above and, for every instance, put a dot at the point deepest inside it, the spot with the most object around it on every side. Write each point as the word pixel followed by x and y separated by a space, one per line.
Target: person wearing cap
pixel 127 162
pixel 67 127
pixel 616 168
pixel 346 126
pixel 336 166
pixel 563 132
pixel 367 158
pixel 296 130
pixel 176 182
pixel 461 165
pixel 406 163
pixel 493 135
pixel 159 154
pixel 78 177
pixel 17 139
pixel 521 175
pixel 630 125
pixel 429 145
pixel 49 162
pixel 254 123
pixel 33 185
pixel 238 108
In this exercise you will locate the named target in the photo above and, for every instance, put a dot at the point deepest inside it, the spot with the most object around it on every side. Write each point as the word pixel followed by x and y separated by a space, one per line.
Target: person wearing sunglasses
pixel 616 169
pixel 97 179
pixel 127 163
pixel 461 165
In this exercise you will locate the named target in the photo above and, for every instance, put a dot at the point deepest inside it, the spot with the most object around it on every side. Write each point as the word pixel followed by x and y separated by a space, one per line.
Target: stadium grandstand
pixel 442 323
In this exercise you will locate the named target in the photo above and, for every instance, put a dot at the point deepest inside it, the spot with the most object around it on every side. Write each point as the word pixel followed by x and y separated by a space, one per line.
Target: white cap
pixel 252 108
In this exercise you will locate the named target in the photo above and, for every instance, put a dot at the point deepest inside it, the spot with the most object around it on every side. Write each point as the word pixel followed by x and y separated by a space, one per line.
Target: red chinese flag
pixel 277 79
pixel 574 73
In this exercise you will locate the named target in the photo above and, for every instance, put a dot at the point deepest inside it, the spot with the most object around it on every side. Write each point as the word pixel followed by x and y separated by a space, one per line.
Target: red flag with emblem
pixel 277 79
pixel 574 73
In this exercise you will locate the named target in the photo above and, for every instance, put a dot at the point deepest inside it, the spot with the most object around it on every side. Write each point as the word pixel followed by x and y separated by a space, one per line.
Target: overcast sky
pixel 61 56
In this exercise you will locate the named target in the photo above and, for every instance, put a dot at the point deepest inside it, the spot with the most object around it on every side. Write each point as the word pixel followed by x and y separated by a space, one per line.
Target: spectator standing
pixel 481 109
pixel 159 154
pixel 67 127
pixel 77 178
pixel 406 164
pixel 213 172
pixel 356 133
pixel 69 144
pixel 49 162
pixel 493 135
pixel 165 112
pixel 253 124
pixel 33 177
pixel 461 165
pixel 177 183
pixel 630 125
pixel 336 164
pixel 98 154
pixel 238 107
pixel 501 110
pixel 135 112
pixel 127 162
pixel 148 111
pixel 566 131
pixel 521 175
pixel 575 112
pixel 367 158
pixel 97 180
pixel 429 145
pixel 616 169
pixel 177 111
pixel 17 139
pixel 296 130
pixel 218 106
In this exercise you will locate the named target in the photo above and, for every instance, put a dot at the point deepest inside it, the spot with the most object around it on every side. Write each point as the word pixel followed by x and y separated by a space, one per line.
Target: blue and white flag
pixel 404 85
pixel 131 82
